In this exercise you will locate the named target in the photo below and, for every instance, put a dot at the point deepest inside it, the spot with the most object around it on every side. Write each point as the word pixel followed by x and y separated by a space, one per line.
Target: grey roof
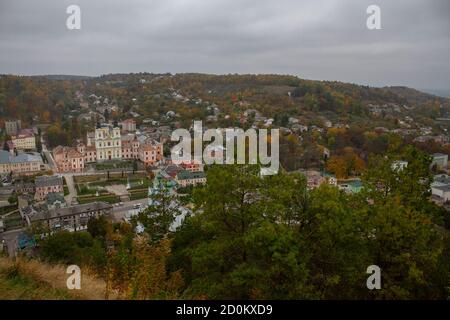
pixel 439 155
pixel 184 175
pixel 70 211
pixel 52 197
pixel 6 157
pixel 47 181
pixel 442 178
pixel 445 188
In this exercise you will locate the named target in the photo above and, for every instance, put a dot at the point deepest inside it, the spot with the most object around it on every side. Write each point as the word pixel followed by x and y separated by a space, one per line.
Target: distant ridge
pixel 438 92
pixel 62 77
pixel 420 96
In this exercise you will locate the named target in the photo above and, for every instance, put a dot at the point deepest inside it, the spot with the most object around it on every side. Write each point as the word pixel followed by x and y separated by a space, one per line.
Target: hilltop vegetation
pixel 33 280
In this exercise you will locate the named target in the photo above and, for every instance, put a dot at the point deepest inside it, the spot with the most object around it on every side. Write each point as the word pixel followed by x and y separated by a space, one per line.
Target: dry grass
pixel 31 279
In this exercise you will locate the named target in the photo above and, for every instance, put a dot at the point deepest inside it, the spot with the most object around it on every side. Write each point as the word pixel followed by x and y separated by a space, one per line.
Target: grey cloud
pixel 317 39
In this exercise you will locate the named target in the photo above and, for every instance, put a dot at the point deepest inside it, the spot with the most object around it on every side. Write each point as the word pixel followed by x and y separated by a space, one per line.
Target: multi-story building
pixel 192 166
pixel 187 178
pixel 72 219
pixel 24 140
pixel 440 187
pixel 12 127
pixel 440 160
pixel 90 139
pixel 130 147
pixel 128 125
pixel 21 164
pixel 108 143
pixel 69 159
pixel 46 185
pixel 90 154
pixel 150 152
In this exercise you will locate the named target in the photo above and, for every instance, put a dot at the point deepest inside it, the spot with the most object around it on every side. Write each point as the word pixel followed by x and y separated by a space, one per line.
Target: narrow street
pixel 71 186
pixel 48 156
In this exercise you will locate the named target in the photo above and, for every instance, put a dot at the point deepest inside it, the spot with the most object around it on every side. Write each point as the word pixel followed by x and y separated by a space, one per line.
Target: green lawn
pixel 109 198
pixel 13 221
pixel 140 194
pixel 114 165
pixel 7 209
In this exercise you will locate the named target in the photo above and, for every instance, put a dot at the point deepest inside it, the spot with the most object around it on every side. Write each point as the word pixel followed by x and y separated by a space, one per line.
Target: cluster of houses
pixel 42 203
pixel 110 142
pixel 440 188
pixel 18 155
pixel 22 139
pixel 183 175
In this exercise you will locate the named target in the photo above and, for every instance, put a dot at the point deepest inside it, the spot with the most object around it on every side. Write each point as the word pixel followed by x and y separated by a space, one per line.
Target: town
pixel 98 167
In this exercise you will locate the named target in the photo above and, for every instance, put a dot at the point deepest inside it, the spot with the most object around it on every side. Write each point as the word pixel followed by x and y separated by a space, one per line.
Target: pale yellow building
pixel 24 140
pixel 108 143
pixel 22 163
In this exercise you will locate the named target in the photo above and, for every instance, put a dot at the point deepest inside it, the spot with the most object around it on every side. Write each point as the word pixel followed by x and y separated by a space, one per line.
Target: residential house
pixel 187 178
pixel 46 185
pixel 150 152
pixel 440 187
pixel 24 140
pixel 128 125
pixel 12 127
pixel 440 160
pixel 443 192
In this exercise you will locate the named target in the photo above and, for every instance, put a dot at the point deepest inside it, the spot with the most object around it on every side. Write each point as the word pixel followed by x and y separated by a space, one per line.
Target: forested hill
pixel 46 99
pixel 415 96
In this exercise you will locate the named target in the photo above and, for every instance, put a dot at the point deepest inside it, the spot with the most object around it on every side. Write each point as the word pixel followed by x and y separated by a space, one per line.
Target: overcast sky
pixel 314 39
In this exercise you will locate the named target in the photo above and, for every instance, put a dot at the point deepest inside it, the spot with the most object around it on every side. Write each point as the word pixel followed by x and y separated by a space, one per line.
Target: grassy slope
pixel 33 280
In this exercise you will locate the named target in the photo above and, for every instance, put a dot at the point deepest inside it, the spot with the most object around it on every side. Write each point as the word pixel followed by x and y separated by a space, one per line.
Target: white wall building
pixel 108 143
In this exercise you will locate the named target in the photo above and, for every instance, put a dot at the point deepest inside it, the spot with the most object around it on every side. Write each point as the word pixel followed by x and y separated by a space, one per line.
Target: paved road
pixel 49 156
pixel 71 186
pixel 120 211
pixel 11 241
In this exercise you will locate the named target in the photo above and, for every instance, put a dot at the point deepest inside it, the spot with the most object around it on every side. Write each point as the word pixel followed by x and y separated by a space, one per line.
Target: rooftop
pixel 6 157
pixel 185 175
pixel 54 196
pixel 47 181
pixel 69 211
